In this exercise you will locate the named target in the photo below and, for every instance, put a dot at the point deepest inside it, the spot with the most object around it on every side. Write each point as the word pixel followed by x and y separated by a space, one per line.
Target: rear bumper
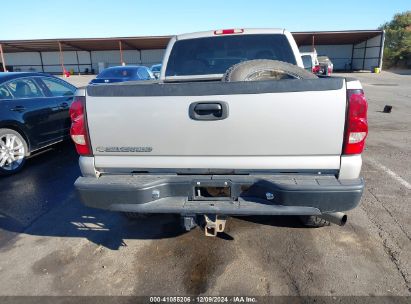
pixel 291 194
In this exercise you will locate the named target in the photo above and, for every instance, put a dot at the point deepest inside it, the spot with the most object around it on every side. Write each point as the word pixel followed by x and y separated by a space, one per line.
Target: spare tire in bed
pixel 263 69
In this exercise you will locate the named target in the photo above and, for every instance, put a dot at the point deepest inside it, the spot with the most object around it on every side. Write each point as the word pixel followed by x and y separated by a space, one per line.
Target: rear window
pixel 118 73
pixel 214 55
pixel 5 93
pixel 156 68
pixel 307 61
pixel 323 59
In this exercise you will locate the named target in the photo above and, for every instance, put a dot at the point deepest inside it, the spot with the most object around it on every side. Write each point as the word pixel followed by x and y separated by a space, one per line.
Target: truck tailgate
pixel 287 119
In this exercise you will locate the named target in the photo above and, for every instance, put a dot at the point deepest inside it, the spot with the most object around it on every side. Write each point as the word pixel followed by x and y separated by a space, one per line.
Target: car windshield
pixel 117 73
pixel 214 55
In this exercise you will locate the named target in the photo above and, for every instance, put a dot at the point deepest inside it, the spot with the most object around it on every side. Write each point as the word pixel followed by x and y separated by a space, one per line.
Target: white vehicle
pixel 234 126
pixel 310 61
pixel 326 65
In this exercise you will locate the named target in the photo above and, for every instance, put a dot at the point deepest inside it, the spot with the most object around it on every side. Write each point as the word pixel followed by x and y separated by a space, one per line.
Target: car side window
pixel 143 74
pixel 150 74
pixel 24 88
pixel 58 88
pixel 5 93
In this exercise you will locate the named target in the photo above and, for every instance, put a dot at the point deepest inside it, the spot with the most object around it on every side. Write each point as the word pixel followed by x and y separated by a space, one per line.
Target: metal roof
pixel 85 44
pixel 335 37
pixel 160 42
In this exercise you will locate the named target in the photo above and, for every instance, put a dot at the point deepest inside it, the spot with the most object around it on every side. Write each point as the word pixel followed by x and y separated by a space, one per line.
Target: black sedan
pixel 123 73
pixel 34 113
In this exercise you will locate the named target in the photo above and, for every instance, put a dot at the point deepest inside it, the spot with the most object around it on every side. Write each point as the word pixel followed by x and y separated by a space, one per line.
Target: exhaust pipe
pixel 337 218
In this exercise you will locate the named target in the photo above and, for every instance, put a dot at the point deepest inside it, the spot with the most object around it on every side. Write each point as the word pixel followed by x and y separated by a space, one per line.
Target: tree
pixel 397 49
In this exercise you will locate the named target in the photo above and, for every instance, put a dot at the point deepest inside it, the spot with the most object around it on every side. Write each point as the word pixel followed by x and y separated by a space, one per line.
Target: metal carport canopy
pixel 85 44
pixel 160 42
pixel 335 37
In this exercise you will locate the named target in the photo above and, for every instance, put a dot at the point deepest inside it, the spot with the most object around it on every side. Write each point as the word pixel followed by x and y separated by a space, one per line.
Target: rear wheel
pixel 262 69
pixel 13 151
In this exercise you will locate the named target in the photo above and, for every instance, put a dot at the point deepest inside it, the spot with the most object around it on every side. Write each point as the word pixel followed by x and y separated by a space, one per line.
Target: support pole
pixel 78 63
pixel 91 63
pixel 365 53
pixel 62 60
pixel 352 57
pixel 2 58
pixel 382 42
pixel 41 60
pixel 313 43
pixel 121 53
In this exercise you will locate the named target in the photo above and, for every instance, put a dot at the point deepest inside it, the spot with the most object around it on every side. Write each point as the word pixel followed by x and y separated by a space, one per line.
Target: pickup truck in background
pixel 310 62
pixel 233 126
pixel 326 65
pixel 319 65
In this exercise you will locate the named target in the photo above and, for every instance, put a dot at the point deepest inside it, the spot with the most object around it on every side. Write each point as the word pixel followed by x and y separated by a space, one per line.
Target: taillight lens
pixel 316 69
pixel 78 130
pixel 357 124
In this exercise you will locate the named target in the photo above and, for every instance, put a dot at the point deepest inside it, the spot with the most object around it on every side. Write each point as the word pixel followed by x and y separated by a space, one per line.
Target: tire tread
pixel 237 71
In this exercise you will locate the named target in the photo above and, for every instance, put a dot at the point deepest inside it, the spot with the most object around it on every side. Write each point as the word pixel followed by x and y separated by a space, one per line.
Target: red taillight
pixel 78 130
pixel 316 69
pixel 229 31
pixel 357 124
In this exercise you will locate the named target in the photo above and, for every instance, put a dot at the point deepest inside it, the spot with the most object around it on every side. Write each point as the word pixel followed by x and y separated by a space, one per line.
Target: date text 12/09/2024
pixel 204 299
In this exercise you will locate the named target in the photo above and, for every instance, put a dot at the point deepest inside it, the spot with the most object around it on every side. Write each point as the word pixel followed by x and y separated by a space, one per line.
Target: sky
pixel 37 19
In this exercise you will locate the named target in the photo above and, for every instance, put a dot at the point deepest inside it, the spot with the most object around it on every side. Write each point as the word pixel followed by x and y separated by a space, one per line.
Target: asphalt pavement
pixel 50 244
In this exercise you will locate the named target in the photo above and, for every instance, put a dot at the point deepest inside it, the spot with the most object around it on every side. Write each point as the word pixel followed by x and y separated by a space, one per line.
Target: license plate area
pixel 211 191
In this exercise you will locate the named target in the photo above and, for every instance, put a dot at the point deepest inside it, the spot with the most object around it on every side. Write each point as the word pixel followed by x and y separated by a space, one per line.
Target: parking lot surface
pixel 50 244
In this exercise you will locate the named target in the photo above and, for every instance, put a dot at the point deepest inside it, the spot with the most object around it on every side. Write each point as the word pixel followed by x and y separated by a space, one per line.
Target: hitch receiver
pixel 214 224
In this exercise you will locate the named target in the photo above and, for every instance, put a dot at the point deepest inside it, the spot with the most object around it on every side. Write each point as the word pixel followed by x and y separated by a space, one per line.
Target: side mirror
pixel 308 65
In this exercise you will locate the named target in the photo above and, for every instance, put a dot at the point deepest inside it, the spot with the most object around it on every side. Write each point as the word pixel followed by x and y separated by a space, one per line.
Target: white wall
pixel 366 54
pixel 130 57
pixel 51 61
pixel 31 61
pixel 112 58
pixel 84 57
pixel 151 57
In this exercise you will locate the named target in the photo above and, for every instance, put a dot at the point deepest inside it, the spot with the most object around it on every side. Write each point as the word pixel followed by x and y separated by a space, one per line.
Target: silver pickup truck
pixel 233 126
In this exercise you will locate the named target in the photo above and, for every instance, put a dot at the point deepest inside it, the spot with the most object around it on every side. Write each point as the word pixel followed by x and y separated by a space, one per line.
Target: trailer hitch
pixel 214 224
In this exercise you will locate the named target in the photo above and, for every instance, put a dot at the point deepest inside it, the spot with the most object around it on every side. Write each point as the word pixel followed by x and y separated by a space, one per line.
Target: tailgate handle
pixel 203 108
pixel 208 110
